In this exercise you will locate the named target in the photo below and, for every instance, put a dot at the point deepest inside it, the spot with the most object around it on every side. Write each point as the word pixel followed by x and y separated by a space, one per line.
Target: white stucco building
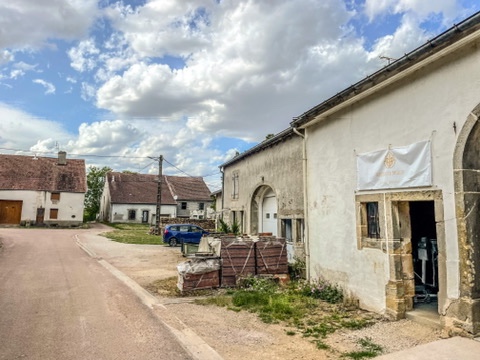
pixel 392 163
pixel 41 190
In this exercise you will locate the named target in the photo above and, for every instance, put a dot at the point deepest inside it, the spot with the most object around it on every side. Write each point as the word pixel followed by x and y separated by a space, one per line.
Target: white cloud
pixel 244 62
pixel 6 56
pixel 31 23
pixel 20 130
pixel 49 87
pixel 83 57
pixel 418 9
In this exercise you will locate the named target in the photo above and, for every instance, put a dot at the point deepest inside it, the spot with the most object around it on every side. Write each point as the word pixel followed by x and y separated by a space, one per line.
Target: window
pixel 132 214
pixel 196 229
pixel 183 206
pixel 55 196
pixel 235 185
pixel 369 214
pixel 287 229
pixel 53 214
pixel 373 224
pixel 201 206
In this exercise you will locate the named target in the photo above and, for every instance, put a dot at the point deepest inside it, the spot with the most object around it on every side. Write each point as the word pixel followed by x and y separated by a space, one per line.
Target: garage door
pixel 269 213
pixel 10 212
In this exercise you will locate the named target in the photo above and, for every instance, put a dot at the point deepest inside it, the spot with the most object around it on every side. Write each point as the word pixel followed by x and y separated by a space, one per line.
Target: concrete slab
pixel 455 348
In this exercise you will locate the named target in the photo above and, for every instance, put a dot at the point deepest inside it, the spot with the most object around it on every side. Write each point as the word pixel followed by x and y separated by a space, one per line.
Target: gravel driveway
pixel 241 335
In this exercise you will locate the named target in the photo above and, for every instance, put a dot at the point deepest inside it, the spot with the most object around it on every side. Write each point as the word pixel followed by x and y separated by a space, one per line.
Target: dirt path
pixel 241 335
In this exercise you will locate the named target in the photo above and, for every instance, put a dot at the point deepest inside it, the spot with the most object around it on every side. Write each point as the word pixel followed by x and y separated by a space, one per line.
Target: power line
pixel 113 156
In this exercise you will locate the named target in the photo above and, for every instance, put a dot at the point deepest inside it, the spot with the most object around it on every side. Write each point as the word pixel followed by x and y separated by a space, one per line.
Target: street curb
pixel 187 338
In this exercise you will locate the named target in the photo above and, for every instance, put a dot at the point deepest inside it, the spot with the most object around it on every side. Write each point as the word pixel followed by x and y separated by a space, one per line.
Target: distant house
pixel 133 197
pixel 42 190
pixel 191 194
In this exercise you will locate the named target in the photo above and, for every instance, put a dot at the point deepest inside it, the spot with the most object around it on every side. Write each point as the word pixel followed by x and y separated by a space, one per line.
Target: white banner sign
pixel 401 167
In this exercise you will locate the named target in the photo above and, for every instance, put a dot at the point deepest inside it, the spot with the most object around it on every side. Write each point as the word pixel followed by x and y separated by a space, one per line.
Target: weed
pixel 321 345
pixel 297 269
pixel 290 332
pixel 322 289
pixel 369 350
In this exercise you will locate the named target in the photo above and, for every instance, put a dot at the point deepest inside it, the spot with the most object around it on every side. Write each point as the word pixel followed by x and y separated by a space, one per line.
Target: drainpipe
pixel 223 193
pixel 305 202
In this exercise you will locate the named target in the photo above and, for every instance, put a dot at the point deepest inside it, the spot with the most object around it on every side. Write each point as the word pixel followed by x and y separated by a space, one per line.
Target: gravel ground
pixel 241 335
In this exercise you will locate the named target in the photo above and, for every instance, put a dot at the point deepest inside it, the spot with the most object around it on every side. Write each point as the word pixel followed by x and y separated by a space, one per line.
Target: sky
pixel 119 83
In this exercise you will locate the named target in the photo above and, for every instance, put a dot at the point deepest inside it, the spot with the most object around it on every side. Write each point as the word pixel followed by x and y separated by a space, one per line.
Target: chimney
pixel 62 158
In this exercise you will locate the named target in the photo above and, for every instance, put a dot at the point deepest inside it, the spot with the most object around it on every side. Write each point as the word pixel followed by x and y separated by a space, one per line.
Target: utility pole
pixel 159 196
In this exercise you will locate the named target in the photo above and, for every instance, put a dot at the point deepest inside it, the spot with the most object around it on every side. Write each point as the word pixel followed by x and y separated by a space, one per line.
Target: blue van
pixel 176 234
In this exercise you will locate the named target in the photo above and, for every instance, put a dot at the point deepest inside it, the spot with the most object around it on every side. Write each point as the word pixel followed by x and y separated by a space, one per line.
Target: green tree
pixel 95 182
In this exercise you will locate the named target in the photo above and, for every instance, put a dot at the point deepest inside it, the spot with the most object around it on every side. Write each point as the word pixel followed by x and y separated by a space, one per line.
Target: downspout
pixel 305 202
pixel 223 193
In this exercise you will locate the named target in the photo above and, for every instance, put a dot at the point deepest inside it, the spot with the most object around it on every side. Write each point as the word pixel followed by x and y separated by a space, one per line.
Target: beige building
pixel 393 183
pixel 263 190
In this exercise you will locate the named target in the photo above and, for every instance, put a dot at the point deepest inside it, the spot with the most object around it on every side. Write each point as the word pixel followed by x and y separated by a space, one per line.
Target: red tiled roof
pixel 19 172
pixel 137 189
pixel 188 188
pixel 142 188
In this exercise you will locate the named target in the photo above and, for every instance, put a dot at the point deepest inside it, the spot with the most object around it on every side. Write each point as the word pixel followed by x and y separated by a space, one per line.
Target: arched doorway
pixel 466 166
pixel 264 211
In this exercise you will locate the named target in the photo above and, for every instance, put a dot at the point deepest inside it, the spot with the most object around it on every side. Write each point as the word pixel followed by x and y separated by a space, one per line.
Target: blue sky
pixel 116 83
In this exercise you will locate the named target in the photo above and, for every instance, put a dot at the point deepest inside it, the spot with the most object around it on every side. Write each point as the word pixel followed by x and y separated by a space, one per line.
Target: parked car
pixel 175 234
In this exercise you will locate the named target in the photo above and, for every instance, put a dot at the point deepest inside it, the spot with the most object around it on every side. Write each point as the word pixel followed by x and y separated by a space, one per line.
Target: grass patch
pixel 313 314
pixel 368 350
pixel 133 234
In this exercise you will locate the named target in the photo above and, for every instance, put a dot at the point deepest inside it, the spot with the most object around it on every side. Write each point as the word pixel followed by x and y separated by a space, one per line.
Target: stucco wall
pixel 70 206
pixel 119 212
pixel 432 103
pixel 279 167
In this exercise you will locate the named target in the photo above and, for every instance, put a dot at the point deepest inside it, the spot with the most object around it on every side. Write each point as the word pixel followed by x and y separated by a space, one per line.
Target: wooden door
pixel 10 212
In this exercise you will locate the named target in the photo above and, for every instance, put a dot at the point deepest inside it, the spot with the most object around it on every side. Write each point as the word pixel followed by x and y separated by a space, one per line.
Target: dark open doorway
pixel 424 251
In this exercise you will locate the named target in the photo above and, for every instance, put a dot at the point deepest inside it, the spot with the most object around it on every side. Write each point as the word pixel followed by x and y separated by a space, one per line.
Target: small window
pixel 201 206
pixel 267 215
pixel 275 215
pixel 53 214
pixel 235 186
pixel 132 214
pixel 287 229
pixel 184 206
pixel 184 228
pixel 373 223
pixel 55 196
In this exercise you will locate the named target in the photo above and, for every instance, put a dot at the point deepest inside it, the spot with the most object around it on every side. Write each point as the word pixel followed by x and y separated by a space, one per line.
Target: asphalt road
pixel 56 302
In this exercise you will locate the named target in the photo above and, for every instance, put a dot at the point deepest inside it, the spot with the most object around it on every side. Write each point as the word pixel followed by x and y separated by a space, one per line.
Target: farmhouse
pixel 392 183
pixel 41 190
pixel 133 197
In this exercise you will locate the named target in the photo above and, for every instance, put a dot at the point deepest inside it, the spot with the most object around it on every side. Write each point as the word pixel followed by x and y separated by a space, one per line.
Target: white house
pixel 133 198
pixel 41 190
pixel 393 183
